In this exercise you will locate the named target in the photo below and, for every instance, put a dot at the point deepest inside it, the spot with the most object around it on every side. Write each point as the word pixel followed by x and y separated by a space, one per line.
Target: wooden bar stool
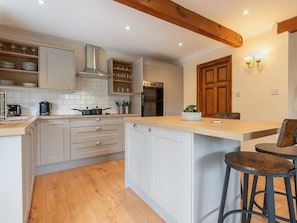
pixel 285 147
pixel 257 164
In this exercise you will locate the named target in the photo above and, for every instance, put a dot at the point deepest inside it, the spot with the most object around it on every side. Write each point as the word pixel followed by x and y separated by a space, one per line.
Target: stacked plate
pixel 6 64
pixel 29 66
pixel 7 82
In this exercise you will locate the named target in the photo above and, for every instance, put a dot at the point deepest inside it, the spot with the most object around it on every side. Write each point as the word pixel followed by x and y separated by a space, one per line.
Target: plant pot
pixel 191 116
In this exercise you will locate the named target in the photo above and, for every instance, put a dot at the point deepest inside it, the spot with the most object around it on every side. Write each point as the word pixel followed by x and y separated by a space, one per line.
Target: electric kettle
pixel 44 108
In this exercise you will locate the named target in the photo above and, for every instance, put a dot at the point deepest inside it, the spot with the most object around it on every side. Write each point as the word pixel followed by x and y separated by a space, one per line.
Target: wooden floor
pixel 96 194
pixel 92 194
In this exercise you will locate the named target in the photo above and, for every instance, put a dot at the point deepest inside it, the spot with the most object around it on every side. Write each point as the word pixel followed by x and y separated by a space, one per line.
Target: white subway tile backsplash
pixel 91 93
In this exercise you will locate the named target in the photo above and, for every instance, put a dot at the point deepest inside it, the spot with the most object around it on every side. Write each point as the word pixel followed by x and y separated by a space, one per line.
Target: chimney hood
pixel 92 62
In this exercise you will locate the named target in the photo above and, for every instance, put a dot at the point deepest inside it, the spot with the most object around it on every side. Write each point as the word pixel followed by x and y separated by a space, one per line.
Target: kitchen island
pixel 178 166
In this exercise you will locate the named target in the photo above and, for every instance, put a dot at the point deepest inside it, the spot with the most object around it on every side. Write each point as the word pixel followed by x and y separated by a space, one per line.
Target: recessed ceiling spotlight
pixel 127 28
pixel 41 2
pixel 180 44
pixel 245 12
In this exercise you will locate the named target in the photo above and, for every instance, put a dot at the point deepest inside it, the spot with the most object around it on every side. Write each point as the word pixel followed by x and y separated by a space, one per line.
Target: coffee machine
pixel 44 108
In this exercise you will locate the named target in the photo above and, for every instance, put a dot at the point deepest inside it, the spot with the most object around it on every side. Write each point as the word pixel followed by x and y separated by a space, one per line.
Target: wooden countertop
pixel 10 128
pixel 228 128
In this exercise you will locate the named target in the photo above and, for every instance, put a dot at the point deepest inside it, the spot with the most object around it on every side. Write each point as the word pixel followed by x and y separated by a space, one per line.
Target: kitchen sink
pixel 17 118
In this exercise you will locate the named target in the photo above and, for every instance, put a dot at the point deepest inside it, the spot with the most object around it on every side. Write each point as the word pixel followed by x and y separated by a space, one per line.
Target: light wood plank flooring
pixel 92 194
pixel 96 194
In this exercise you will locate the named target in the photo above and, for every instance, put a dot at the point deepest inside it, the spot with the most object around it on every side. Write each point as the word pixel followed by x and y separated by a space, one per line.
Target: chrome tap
pixel 3 105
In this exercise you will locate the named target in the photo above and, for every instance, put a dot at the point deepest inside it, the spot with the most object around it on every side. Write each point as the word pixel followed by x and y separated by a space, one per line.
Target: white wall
pixel 293 75
pixel 254 85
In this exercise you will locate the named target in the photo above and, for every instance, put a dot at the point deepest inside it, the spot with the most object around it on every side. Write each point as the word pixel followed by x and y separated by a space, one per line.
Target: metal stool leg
pixel 295 181
pixel 244 196
pixel 252 198
pixel 290 199
pixel 270 200
pixel 224 194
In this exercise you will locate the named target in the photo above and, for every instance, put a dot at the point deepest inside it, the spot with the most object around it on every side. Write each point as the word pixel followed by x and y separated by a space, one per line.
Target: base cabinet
pixel 54 141
pixel 96 136
pixel 157 161
pixel 17 171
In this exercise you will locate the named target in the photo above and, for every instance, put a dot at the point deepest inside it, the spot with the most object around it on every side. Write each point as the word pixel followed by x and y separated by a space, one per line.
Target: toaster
pixel 14 110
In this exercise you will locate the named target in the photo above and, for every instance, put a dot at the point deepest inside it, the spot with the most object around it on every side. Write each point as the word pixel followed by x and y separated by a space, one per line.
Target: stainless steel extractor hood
pixel 92 60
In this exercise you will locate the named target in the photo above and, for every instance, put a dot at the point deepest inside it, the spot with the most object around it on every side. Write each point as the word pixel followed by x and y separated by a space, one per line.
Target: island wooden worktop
pixel 224 128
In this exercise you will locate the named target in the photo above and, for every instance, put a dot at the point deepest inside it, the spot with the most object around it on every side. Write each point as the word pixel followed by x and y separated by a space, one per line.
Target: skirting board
pixel 51 168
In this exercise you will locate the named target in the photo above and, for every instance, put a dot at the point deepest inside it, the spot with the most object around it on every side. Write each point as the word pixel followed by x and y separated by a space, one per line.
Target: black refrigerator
pixel 152 99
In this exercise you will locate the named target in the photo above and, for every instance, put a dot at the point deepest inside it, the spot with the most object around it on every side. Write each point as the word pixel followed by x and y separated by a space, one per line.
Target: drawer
pixel 106 145
pixel 85 134
pixel 95 121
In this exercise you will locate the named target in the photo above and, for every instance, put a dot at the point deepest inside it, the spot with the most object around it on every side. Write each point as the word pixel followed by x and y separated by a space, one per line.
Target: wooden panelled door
pixel 214 86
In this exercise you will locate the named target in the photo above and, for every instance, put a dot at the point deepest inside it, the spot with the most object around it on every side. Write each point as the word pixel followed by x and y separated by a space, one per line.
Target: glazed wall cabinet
pixel 126 77
pixel 18 64
pixel 57 68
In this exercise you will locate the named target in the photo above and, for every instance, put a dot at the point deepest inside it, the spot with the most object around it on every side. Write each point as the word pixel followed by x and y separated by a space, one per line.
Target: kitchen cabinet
pixel 173 89
pixel 18 64
pixel 54 141
pixel 139 156
pixel 157 161
pixel 96 136
pixel 126 77
pixel 17 174
pixel 57 68
pixel 172 78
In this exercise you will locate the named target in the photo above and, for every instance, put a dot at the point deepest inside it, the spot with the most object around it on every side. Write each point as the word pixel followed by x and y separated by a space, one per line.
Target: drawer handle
pixel 135 125
pixel 98 143
pixel 97 119
pixel 98 128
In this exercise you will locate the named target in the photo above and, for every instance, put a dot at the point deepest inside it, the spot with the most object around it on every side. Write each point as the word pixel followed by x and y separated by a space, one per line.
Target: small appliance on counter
pixel 14 110
pixel 44 108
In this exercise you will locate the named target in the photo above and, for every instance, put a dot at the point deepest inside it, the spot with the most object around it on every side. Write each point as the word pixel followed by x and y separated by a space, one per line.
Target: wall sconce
pixel 258 59
pixel 250 60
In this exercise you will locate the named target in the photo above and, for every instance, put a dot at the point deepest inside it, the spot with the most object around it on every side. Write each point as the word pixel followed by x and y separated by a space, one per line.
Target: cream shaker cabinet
pixel 57 68
pixel 96 136
pixel 54 141
pixel 172 77
pixel 17 169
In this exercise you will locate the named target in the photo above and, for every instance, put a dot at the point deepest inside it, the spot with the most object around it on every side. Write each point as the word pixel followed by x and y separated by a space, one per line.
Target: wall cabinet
pixel 96 136
pixel 125 78
pixel 54 141
pixel 18 64
pixel 57 68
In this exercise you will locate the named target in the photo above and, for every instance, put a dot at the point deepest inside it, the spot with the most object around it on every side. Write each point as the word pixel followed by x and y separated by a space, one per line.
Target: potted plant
pixel 191 113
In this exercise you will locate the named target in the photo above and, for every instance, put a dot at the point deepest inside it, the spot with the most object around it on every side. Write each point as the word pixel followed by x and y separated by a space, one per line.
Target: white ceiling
pixel 103 22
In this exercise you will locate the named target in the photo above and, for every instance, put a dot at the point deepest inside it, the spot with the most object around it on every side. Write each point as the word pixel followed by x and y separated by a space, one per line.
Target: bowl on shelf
pixel 29 66
pixel 29 84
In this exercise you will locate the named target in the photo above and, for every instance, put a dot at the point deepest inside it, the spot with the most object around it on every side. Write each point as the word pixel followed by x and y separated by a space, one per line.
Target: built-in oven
pixel 152 99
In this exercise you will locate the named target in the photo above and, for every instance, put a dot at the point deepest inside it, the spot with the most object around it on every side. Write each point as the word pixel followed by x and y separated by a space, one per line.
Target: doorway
pixel 214 86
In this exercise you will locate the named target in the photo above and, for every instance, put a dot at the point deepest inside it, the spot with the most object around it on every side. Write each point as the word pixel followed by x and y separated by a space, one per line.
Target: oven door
pixel 152 101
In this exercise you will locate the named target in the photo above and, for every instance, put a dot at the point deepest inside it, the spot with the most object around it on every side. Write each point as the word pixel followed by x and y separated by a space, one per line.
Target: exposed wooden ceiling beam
pixel 289 25
pixel 171 12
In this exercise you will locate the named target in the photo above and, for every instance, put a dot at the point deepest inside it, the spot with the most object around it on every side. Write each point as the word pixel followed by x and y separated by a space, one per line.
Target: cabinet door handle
pixel 135 125
pixel 98 128
pixel 98 143
pixel 149 130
